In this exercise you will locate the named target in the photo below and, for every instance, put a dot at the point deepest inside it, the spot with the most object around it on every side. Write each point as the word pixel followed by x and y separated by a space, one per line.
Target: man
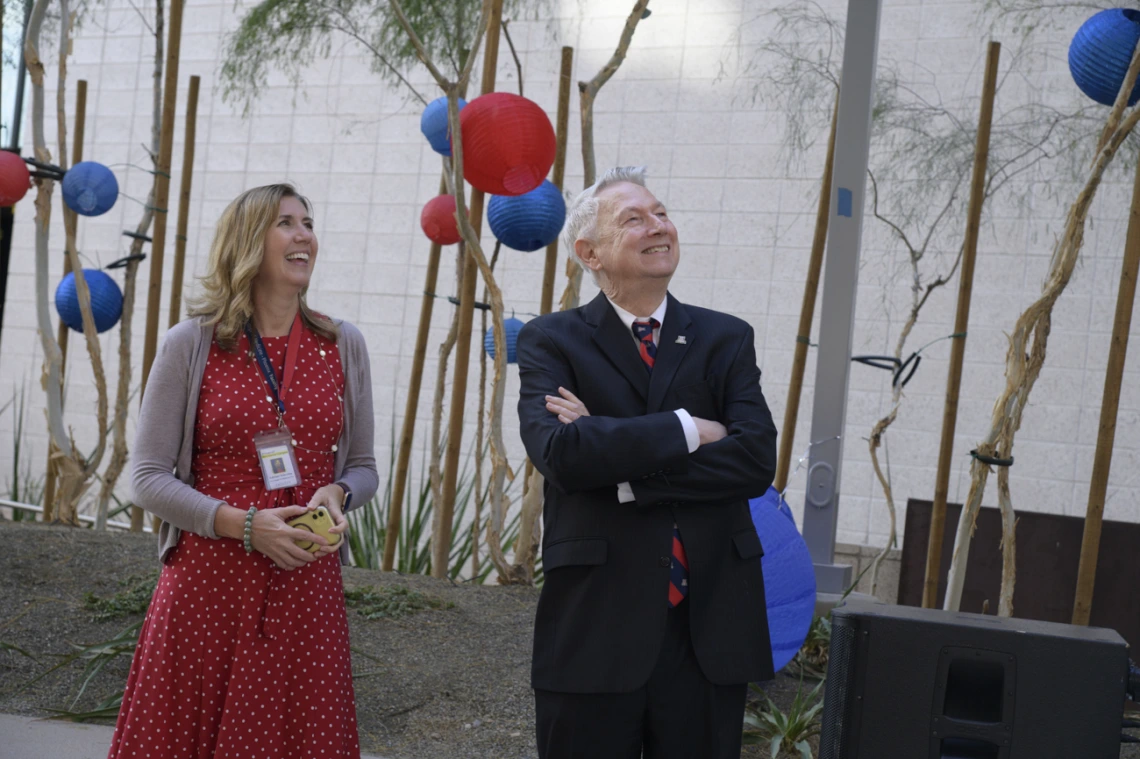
pixel 645 416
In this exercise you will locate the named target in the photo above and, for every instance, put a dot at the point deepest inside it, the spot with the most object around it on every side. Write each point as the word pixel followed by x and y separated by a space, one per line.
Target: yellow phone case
pixel 318 521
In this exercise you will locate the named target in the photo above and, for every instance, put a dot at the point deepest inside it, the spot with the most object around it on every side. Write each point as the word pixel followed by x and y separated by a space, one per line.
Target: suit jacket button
pixel 664 561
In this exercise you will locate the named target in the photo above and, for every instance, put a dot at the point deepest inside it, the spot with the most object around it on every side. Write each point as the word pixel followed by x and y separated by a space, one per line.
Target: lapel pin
pixel 681 340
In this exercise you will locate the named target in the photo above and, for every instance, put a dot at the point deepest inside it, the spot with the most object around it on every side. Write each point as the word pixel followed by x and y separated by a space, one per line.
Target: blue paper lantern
pixel 529 221
pixel 90 188
pixel 433 123
pixel 789 576
pixel 106 300
pixel 511 327
pixel 1101 51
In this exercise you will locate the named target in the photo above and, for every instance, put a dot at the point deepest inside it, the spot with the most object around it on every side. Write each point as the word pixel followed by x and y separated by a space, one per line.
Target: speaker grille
pixel 840 672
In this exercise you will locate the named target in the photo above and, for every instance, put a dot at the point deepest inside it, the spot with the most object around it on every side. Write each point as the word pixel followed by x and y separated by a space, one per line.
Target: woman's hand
pixel 332 498
pixel 567 407
pixel 270 535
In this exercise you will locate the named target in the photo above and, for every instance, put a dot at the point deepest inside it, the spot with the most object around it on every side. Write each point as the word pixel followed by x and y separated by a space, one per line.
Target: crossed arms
pixel 577 451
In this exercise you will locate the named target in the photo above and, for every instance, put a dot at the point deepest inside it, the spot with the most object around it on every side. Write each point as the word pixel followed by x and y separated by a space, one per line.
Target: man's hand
pixel 567 407
pixel 710 431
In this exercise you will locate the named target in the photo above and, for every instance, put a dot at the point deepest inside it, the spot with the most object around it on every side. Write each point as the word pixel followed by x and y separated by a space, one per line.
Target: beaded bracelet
pixel 249 529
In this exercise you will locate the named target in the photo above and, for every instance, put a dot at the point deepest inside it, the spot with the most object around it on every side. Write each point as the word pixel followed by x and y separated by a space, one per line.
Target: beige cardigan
pixel 164 443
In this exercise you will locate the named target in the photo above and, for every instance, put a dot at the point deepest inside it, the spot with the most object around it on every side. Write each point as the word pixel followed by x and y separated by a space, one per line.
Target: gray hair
pixel 582 215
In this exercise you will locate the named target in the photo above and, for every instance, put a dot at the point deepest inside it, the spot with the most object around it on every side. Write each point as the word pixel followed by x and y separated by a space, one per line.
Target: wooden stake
pixel 1110 404
pixel 162 197
pixel 807 312
pixel 587 92
pixel 184 202
pixel 70 222
pixel 161 200
pixel 961 323
pixel 547 302
pixel 441 541
pixel 563 125
pixel 415 382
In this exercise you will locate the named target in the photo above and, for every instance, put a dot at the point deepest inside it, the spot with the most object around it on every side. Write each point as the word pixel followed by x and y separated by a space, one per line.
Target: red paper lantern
pixel 14 178
pixel 438 220
pixel 508 144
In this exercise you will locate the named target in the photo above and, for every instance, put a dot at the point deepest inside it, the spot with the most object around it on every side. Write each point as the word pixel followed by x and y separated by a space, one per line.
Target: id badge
pixel 278 461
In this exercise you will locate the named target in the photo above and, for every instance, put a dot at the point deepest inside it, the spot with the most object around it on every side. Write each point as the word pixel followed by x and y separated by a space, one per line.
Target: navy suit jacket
pixel 602 612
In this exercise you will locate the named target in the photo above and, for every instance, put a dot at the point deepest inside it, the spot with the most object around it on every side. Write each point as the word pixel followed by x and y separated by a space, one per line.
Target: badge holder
pixel 278 461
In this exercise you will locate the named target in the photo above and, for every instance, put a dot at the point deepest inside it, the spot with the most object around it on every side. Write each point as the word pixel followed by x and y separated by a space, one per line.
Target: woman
pixel 244 650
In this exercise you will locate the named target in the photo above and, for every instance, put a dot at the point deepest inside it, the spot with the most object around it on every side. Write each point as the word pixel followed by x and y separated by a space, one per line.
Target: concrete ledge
pixel 825 602
pixel 32 738
pixel 860 559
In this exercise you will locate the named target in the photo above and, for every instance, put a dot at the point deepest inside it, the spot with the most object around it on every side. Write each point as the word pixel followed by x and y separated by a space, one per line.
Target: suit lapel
pixel 617 343
pixel 670 352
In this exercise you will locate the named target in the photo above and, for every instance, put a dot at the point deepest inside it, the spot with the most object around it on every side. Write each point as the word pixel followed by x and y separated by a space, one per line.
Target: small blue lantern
pixel 529 221
pixel 511 327
pixel 106 300
pixel 1101 51
pixel 789 576
pixel 90 188
pixel 434 125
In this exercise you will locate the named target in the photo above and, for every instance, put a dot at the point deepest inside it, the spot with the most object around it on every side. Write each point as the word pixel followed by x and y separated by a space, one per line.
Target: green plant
pixel 785 732
pixel 390 603
pixel 6 646
pixel 134 598
pixel 97 656
pixel 22 486
pixel 813 655
pixel 368 527
pixel 291 36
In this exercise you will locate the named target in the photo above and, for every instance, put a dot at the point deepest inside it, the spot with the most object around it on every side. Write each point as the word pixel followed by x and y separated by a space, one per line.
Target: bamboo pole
pixel 119 452
pixel 1110 404
pixel 441 542
pixel 1028 346
pixel 184 202
pixel 587 93
pixel 807 312
pixel 162 198
pixel 563 127
pixel 415 382
pixel 70 222
pixel 961 323
pixel 532 481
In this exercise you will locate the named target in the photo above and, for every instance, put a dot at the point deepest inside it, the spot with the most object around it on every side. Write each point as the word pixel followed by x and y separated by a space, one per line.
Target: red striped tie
pixel 679 566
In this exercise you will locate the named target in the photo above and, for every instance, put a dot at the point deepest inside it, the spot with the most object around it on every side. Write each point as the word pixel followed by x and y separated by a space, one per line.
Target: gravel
pixel 448 683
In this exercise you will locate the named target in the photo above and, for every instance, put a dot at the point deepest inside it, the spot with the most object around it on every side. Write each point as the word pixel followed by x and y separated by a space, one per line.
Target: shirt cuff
pixel 692 436
pixel 625 493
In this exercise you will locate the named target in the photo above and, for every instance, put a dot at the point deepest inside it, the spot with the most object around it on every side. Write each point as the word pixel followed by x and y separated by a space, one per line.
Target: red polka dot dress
pixel 236 658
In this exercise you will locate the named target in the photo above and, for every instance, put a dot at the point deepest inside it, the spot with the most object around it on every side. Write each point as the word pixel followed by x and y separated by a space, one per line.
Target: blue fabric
pixel 90 189
pixel 1101 51
pixel 529 221
pixel 511 327
pixel 106 300
pixel 433 123
pixel 789 576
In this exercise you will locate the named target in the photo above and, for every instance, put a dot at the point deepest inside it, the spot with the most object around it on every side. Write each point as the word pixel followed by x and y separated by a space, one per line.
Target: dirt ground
pixel 449 683
pixel 437 684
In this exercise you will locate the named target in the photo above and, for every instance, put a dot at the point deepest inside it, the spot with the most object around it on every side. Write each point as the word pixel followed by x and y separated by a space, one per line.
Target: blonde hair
pixel 235 257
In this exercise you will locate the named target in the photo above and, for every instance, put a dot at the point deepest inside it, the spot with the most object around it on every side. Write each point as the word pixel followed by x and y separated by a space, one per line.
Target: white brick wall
pixel 353 145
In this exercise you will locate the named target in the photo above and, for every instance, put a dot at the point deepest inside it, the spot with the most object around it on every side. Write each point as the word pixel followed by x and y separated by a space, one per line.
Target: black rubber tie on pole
pixel 991 460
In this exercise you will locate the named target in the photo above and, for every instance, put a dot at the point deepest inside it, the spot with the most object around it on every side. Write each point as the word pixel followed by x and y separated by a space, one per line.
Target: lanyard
pixel 278 391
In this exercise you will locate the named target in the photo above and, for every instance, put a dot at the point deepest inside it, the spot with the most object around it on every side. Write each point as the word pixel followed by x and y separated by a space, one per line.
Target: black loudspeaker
pixel 910 683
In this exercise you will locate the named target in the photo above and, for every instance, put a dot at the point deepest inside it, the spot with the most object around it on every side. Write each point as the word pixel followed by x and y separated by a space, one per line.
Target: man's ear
pixel 587 253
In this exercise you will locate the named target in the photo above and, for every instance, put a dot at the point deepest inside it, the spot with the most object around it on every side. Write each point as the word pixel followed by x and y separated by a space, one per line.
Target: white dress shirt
pixel 692 436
